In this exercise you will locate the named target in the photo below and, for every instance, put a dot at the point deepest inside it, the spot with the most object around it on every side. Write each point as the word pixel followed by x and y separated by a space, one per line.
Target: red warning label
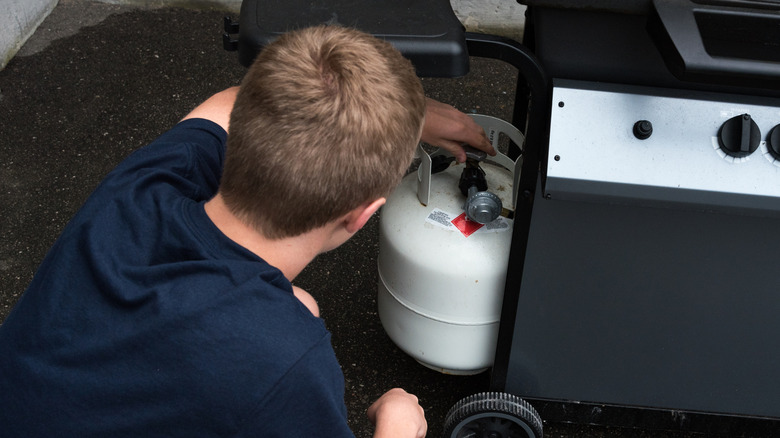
pixel 466 226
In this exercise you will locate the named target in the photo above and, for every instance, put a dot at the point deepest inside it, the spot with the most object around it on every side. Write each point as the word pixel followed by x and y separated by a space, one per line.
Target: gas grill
pixel 642 274
pixel 649 277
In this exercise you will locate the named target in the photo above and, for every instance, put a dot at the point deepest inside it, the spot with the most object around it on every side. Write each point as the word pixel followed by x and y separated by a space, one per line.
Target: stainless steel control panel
pixel 647 146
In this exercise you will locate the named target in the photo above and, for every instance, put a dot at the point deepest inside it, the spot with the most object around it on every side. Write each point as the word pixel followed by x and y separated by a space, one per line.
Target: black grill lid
pixel 734 43
pixel 643 6
pixel 619 6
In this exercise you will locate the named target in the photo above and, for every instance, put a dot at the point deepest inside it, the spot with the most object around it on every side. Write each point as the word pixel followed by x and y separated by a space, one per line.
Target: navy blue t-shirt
pixel 144 320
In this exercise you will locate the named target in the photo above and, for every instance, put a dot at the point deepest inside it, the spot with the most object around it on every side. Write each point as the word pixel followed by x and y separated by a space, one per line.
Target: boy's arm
pixel 444 127
pixel 217 108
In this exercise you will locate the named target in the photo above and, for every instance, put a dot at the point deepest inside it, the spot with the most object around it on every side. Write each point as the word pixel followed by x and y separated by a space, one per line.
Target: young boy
pixel 166 307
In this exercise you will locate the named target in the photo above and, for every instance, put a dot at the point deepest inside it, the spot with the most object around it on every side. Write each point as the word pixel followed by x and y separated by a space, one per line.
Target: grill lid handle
pixel 723 42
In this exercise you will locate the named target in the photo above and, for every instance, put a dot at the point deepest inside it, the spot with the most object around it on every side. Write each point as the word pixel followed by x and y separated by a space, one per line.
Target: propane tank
pixel 443 253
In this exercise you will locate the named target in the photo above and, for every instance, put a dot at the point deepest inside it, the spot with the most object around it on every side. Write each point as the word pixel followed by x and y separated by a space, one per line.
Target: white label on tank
pixel 441 219
pixel 499 225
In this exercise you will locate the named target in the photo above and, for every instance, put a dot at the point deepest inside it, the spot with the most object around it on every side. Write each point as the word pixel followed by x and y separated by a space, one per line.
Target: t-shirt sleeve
pixel 188 158
pixel 308 401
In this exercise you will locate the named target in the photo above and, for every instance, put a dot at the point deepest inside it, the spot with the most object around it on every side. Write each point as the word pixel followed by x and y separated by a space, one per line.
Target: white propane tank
pixel 441 278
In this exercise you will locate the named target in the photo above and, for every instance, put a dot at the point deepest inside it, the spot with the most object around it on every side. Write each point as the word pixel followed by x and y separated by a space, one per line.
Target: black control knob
pixel 773 142
pixel 643 129
pixel 739 136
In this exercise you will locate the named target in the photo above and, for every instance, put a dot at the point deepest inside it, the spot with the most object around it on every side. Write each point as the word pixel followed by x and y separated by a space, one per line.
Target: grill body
pixel 649 279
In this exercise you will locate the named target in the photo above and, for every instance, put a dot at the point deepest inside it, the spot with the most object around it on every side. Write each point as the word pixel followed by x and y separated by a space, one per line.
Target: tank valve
pixel 481 206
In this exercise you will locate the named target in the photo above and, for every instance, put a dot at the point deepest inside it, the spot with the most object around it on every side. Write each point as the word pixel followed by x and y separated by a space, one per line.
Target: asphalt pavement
pixel 98 81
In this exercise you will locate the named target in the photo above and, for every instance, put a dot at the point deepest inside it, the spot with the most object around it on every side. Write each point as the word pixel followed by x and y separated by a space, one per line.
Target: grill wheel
pixel 492 415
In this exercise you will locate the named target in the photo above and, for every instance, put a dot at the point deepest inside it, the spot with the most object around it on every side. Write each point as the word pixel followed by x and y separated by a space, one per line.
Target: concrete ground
pixel 98 81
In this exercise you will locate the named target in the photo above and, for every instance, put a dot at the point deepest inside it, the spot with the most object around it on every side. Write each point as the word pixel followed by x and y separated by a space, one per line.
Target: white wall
pixel 18 22
pixel 497 17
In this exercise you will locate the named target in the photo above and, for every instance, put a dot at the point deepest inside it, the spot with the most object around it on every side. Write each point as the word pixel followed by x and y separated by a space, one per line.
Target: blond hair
pixel 326 119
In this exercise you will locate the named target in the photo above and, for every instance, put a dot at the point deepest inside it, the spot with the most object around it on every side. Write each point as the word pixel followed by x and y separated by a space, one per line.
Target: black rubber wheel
pixel 492 415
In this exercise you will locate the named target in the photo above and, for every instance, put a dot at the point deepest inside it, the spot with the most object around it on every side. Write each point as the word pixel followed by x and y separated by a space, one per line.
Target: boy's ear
pixel 356 219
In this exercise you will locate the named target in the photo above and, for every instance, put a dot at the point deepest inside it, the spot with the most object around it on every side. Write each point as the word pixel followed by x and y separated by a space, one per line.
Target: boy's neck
pixel 289 255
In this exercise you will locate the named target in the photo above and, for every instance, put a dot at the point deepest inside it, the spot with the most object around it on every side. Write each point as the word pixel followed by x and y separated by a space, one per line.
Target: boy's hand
pixel 448 128
pixel 398 414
